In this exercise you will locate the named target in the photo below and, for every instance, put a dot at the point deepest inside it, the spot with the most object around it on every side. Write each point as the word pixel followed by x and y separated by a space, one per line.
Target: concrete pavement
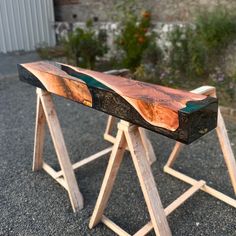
pixel 9 61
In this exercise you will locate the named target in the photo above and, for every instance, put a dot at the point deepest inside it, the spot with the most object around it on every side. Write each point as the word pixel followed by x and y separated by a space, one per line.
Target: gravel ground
pixel 34 204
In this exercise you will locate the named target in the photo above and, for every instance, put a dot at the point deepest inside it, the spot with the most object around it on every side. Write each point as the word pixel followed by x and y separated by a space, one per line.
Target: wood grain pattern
pixel 158 105
pixel 56 81
pixel 178 114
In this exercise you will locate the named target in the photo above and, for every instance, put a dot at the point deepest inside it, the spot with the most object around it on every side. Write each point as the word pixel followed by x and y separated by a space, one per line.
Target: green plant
pixel 83 46
pixel 197 54
pixel 197 49
pixel 188 54
pixel 216 29
pixel 152 55
pixel 179 49
pixel 134 39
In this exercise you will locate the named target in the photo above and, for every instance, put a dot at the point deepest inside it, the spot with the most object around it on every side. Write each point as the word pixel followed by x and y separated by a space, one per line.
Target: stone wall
pixel 163 10
pixel 165 13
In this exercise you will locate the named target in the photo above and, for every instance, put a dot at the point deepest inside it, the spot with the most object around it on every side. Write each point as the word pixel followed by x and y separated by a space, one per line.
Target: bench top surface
pixel 159 106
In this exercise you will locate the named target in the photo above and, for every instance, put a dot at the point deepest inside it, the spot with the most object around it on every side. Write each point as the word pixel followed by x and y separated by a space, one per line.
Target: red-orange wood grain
pixel 59 82
pixel 158 105
pixel 177 114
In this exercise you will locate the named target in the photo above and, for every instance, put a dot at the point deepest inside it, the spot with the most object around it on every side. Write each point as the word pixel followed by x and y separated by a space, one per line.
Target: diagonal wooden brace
pixel 174 205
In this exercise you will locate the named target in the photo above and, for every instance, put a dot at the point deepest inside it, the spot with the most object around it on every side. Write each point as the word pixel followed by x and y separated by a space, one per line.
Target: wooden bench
pixel 179 115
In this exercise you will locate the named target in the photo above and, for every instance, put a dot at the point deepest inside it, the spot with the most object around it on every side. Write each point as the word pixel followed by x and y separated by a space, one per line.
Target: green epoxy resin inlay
pixel 90 81
pixel 192 106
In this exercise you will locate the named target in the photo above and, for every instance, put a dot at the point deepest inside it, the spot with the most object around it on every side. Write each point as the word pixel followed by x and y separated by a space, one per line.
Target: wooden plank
pixel 75 196
pixel 110 124
pixel 147 183
pixel 174 205
pixel 144 230
pixel 147 146
pixel 53 174
pixel 50 170
pixel 180 115
pixel 205 188
pixel 205 90
pixel 87 160
pixel 121 72
pixel 112 139
pixel 109 138
pixel 114 227
pixel 109 178
pixel 226 149
pixel 39 136
pixel 184 197
pixel 222 136
pixel 174 154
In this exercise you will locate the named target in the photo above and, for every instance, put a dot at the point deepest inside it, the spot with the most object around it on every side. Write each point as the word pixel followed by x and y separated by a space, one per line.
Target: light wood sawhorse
pixel 46 113
pixel 129 135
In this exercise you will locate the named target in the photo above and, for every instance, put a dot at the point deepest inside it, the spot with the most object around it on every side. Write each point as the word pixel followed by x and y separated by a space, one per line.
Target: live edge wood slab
pixel 177 114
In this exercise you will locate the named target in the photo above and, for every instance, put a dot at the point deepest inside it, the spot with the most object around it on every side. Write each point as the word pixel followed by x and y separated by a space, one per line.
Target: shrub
pixel 188 55
pixel 197 49
pixel 134 39
pixel 83 46
pixel 152 55
pixel 216 29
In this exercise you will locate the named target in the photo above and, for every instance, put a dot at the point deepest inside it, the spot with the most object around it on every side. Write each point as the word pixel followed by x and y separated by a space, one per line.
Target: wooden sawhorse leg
pixel 226 149
pixel 45 108
pixel 146 142
pixel 129 135
pixel 46 112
